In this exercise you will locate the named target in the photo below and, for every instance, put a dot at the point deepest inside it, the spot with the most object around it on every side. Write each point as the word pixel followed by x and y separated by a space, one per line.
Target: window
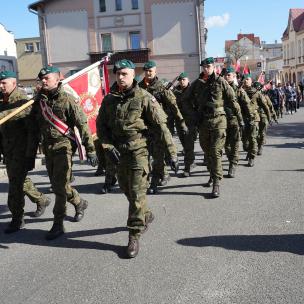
pixel 29 47
pixel 118 5
pixel 72 72
pixel 106 42
pixel 135 40
pixel 134 4
pixel 102 5
pixel 37 46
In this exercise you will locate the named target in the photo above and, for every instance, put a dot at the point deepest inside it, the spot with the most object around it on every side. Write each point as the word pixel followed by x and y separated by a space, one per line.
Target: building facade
pixel 29 60
pixel 76 33
pixel 8 52
pixel 293 47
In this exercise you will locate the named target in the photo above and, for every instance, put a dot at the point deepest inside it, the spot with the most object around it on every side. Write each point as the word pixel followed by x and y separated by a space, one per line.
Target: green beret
pixel 245 76
pixel 7 74
pixel 230 69
pixel 182 75
pixel 123 64
pixel 208 60
pixel 149 64
pixel 48 70
pixel 257 85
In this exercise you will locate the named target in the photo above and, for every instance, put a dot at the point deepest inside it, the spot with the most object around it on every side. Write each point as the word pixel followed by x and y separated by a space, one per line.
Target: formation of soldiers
pixel 134 144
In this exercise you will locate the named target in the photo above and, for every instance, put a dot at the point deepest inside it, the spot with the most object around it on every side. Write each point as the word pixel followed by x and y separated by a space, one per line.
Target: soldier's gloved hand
pixel 113 155
pixel 29 163
pixel 174 164
pixel 92 159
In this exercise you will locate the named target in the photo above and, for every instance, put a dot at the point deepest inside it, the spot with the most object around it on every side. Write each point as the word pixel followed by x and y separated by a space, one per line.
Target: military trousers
pixel 16 172
pixel 263 126
pixel 133 180
pixel 100 153
pixel 232 141
pixel 32 192
pixel 249 138
pixel 212 142
pixel 187 142
pixel 59 166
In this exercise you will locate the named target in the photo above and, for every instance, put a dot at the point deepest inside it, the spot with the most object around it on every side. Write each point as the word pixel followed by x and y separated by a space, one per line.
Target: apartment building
pixel 76 33
pixel 293 47
pixel 29 60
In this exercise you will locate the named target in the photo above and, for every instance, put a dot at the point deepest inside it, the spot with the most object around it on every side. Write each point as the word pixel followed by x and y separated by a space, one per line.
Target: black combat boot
pixel 56 231
pixel 152 189
pixel 209 183
pixel 250 162
pixel 99 171
pixel 133 247
pixel 149 218
pixel 79 208
pixel 109 184
pixel 215 190
pixel 41 207
pixel 164 180
pixel 260 150
pixel 231 171
pixel 15 225
pixel 186 172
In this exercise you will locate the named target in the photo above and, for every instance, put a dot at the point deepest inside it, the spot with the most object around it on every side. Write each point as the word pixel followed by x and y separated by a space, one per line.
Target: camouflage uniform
pixel 264 122
pixel 168 102
pixel 257 104
pixel 210 97
pixel 58 148
pixel 188 112
pixel 123 122
pixel 234 120
pixel 19 143
pixel 233 132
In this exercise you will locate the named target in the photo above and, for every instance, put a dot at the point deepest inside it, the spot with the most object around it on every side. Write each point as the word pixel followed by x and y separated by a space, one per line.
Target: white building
pixel 8 51
pixel 76 33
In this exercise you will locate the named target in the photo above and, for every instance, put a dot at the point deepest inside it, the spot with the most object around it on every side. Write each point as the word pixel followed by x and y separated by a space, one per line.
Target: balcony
pixel 136 56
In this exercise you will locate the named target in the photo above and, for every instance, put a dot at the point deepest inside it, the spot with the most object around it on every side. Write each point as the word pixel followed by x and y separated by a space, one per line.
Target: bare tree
pixel 237 51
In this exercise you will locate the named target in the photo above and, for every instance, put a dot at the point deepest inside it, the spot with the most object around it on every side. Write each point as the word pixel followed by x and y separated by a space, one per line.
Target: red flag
pixel 246 69
pixel 237 66
pixel 261 78
pixel 86 86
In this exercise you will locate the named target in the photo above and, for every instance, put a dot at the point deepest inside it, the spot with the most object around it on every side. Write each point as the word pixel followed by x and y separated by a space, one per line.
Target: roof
pixel 296 16
pixel 34 6
pixel 255 40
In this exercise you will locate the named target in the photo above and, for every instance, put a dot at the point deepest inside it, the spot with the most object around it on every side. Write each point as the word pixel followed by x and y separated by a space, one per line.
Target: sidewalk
pixel 38 163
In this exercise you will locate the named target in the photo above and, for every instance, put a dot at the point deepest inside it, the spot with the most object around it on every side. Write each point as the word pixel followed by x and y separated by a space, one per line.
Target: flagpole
pixel 90 67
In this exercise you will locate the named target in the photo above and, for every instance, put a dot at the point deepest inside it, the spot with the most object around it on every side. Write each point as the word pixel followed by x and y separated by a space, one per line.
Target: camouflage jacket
pixel 211 98
pixel 244 102
pixel 257 103
pixel 124 118
pixel 165 97
pixel 65 107
pixel 18 133
pixel 186 108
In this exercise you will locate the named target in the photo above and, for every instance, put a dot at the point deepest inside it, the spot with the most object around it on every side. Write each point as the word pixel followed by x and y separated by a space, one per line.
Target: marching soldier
pixel 233 125
pixel 19 144
pixel 125 115
pixel 187 110
pixel 210 94
pixel 258 105
pixel 57 113
pixel 167 100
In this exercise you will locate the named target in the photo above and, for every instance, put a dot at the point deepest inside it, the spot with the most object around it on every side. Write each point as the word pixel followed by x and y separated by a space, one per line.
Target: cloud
pixel 217 21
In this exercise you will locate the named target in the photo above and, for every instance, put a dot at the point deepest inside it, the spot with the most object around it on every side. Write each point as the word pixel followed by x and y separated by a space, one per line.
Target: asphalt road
pixel 245 247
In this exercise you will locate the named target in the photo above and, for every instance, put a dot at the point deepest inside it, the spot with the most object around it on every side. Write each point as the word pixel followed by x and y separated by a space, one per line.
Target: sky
pixel 267 19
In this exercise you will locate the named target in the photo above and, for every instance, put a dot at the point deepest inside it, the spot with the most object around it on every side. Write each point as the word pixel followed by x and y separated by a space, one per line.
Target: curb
pixel 39 162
